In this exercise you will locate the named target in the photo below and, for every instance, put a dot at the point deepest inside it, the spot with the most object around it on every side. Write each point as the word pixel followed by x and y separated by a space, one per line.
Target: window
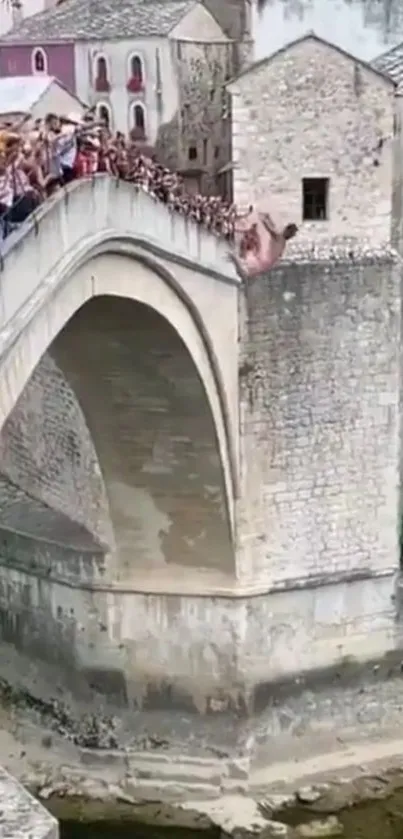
pixel 192 153
pixel 101 74
pixel 138 121
pixel 104 114
pixel 315 195
pixel 136 74
pixel 205 151
pixel 39 61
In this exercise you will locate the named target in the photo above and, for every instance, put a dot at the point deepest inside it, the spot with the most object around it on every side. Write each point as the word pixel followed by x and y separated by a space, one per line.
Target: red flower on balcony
pixel 101 82
pixel 136 80
pixel 135 84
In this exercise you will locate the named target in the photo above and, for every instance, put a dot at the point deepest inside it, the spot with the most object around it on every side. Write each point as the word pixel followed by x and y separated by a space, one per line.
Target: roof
pixel 391 63
pixel 312 37
pixel 100 20
pixel 18 94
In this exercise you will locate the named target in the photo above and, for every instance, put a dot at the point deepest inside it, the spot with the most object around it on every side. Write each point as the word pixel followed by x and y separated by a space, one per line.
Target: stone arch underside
pixel 134 459
pixel 50 478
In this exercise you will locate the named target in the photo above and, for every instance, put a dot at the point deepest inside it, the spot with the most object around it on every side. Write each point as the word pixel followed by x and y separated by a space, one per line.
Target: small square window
pixel 192 153
pixel 315 199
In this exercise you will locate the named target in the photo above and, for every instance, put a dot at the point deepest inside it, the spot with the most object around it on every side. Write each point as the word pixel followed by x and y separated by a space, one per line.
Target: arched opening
pixel 136 74
pixel 39 61
pixel 138 131
pixel 104 114
pixel 101 74
pixel 148 420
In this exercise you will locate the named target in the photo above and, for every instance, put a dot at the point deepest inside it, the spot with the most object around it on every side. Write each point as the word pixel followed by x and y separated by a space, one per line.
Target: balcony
pixel 102 85
pixel 138 133
pixel 135 84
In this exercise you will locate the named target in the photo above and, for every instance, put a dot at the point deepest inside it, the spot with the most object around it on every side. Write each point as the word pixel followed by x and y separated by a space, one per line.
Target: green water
pixel 109 830
pixel 380 820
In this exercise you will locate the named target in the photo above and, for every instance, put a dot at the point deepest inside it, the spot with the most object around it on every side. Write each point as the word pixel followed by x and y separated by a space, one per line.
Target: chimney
pixel 16 12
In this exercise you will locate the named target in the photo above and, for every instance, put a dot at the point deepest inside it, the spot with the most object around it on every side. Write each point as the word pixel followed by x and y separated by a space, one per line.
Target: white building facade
pixel 155 70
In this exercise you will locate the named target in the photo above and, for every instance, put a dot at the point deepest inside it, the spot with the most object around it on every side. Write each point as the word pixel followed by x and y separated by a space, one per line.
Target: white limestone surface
pixel 21 815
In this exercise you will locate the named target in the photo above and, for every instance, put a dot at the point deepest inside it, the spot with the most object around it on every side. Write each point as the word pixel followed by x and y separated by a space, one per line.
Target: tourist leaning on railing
pixel 34 163
pixel 57 150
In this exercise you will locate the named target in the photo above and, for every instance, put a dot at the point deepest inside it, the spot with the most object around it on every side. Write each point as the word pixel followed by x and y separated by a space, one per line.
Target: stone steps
pixel 172 790
pixel 178 775
pixel 180 768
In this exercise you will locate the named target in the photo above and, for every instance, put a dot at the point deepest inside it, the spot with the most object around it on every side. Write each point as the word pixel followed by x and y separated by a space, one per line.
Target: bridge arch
pixel 110 283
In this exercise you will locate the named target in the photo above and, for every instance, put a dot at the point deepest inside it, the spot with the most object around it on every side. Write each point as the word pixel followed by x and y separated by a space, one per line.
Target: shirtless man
pixel 261 245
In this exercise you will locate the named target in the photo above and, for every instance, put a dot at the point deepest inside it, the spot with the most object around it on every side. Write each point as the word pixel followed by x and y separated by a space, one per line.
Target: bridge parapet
pixel 21 815
pixel 83 216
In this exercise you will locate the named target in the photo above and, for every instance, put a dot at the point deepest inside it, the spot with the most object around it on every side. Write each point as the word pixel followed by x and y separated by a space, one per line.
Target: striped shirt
pixel 6 189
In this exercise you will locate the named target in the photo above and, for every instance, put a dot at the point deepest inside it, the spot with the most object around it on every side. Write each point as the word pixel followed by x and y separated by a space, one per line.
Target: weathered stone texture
pixel 311 111
pixel 320 422
pixel 47 451
pixel 21 815
pixel 202 121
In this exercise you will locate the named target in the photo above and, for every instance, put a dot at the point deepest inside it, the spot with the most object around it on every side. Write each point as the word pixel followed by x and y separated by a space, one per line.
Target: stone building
pixel 34 97
pixel 155 67
pixel 391 63
pixel 14 11
pixel 316 140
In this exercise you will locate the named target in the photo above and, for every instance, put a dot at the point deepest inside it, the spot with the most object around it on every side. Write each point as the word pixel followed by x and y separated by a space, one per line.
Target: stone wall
pixel 202 122
pixel 320 422
pixel 312 112
pixel 46 450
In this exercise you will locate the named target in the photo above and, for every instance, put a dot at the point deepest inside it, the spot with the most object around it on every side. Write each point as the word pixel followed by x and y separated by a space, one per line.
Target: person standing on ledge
pixel 261 244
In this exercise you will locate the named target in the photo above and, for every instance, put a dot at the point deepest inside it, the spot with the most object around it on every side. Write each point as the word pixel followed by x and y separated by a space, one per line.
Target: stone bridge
pixel 199 492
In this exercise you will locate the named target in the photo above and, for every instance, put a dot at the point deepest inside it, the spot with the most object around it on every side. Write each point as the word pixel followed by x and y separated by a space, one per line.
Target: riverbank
pixel 235 795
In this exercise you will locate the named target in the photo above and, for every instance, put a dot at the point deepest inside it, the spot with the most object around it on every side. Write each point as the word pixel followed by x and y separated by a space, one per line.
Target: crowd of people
pixel 37 159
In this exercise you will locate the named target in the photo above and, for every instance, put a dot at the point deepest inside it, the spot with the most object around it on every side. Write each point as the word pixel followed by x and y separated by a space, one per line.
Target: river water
pixel 119 831
pixel 379 820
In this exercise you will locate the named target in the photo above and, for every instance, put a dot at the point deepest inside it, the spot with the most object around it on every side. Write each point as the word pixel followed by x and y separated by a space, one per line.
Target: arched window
pixel 136 74
pixel 39 61
pixel 101 74
pixel 104 114
pixel 138 131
